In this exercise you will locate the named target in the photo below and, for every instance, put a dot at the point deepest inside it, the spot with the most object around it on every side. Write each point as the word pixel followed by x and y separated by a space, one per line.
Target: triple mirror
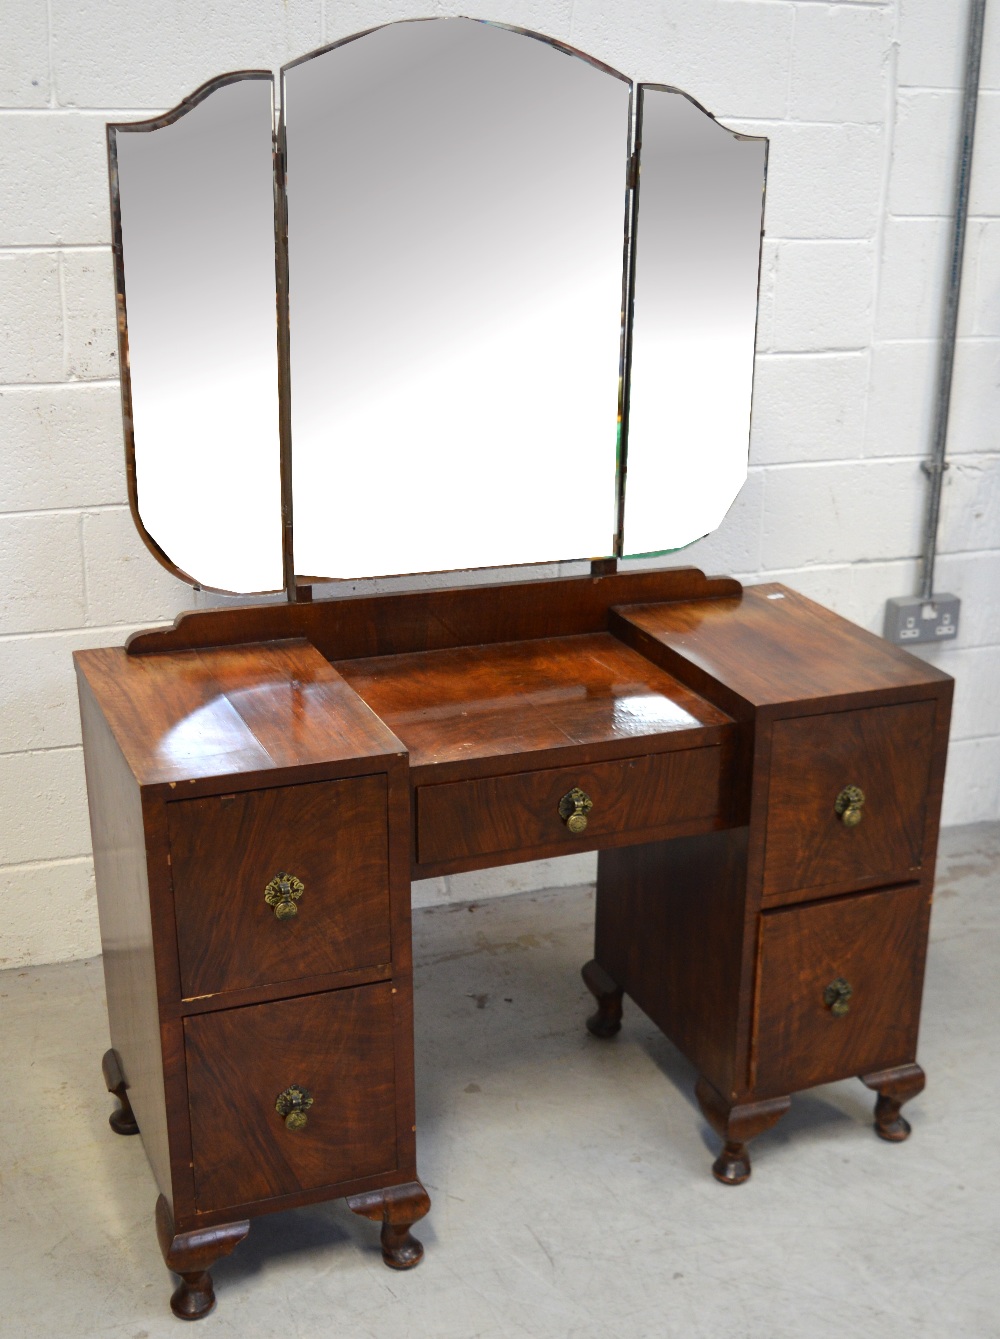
pixel 467 299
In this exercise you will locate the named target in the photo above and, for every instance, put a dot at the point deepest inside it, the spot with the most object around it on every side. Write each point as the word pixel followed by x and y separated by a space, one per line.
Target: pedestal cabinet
pixel 250 818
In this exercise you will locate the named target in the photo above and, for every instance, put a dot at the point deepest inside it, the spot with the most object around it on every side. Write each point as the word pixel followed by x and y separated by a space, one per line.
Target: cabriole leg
pixel 397 1208
pixel 894 1087
pixel 737 1124
pixel 122 1119
pixel 191 1255
pixel 608 1019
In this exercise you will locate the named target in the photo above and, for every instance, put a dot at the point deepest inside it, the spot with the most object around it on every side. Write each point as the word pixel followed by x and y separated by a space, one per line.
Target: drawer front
pixel 338 1047
pixel 461 819
pixel 886 753
pixel 225 850
pixel 808 1030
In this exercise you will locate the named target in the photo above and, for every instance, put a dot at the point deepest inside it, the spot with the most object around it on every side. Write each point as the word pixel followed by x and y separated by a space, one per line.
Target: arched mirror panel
pixel 193 211
pixel 696 257
pixel 456 197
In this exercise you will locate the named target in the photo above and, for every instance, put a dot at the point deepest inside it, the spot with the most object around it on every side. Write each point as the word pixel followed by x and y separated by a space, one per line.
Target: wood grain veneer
pixel 520 812
pixel 886 752
pixel 336 1045
pixel 225 849
pixel 873 941
pixel 426 620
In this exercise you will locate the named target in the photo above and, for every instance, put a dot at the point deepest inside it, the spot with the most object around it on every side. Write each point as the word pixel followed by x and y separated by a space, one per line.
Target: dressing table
pixel 761 778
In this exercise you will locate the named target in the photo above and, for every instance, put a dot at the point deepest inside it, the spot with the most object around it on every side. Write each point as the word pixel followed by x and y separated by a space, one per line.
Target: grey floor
pixel 570 1178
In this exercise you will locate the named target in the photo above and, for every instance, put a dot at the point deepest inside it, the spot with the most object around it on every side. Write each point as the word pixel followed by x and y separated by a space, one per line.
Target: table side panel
pixel 123 903
pixel 669 931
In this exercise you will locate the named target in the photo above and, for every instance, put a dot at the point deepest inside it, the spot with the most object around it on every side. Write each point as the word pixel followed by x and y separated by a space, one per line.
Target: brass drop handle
pixel 293 1104
pixel 837 997
pixel 574 808
pixel 848 804
pixel 282 893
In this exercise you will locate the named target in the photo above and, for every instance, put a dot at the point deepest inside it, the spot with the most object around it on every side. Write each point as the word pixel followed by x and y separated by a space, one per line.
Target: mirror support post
pixel 628 297
pixel 292 593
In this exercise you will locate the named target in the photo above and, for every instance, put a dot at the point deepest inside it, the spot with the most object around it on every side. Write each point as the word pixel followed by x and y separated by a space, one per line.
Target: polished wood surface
pixel 873 941
pixel 771 647
pixel 886 752
pixel 246 712
pixel 484 704
pixel 224 849
pixel 339 1047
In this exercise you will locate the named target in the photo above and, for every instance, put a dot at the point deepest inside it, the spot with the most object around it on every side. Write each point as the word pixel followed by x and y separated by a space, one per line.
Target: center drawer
pixel 629 797
pixel 226 852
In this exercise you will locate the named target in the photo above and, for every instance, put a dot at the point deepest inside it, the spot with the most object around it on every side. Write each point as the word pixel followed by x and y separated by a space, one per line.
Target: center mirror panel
pixel 456 197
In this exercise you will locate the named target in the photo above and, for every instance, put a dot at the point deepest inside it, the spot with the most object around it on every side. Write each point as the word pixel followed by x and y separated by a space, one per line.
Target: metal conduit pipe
pixel 936 465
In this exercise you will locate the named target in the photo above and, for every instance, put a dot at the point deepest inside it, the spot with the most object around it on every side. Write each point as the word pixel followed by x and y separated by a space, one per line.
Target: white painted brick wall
pixel 860 99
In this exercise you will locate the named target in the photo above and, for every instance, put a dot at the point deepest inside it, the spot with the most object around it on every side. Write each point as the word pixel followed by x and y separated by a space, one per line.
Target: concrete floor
pixel 570 1178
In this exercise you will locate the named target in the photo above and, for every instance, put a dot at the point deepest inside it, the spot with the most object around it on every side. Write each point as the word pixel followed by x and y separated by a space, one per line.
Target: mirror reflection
pixel 193 201
pixel 456 212
pixel 696 257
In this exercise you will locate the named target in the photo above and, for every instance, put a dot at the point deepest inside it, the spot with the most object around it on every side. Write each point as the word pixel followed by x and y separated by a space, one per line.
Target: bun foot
pixel 894 1087
pixel 195 1296
pixel 122 1119
pixel 889 1124
pixel 191 1255
pixel 736 1124
pixel 397 1208
pixel 607 1021
pixel 732 1166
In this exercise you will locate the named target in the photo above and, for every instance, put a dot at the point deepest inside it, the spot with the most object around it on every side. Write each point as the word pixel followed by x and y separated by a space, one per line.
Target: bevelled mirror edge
pixel 643 88
pixel 565 47
pixel 117 134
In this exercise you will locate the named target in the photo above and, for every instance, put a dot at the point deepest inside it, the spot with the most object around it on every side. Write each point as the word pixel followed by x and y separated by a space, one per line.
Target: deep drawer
pixel 337 1046
pixel 225 850
pixel 873 942
pixel 886 753
pixel 461 819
